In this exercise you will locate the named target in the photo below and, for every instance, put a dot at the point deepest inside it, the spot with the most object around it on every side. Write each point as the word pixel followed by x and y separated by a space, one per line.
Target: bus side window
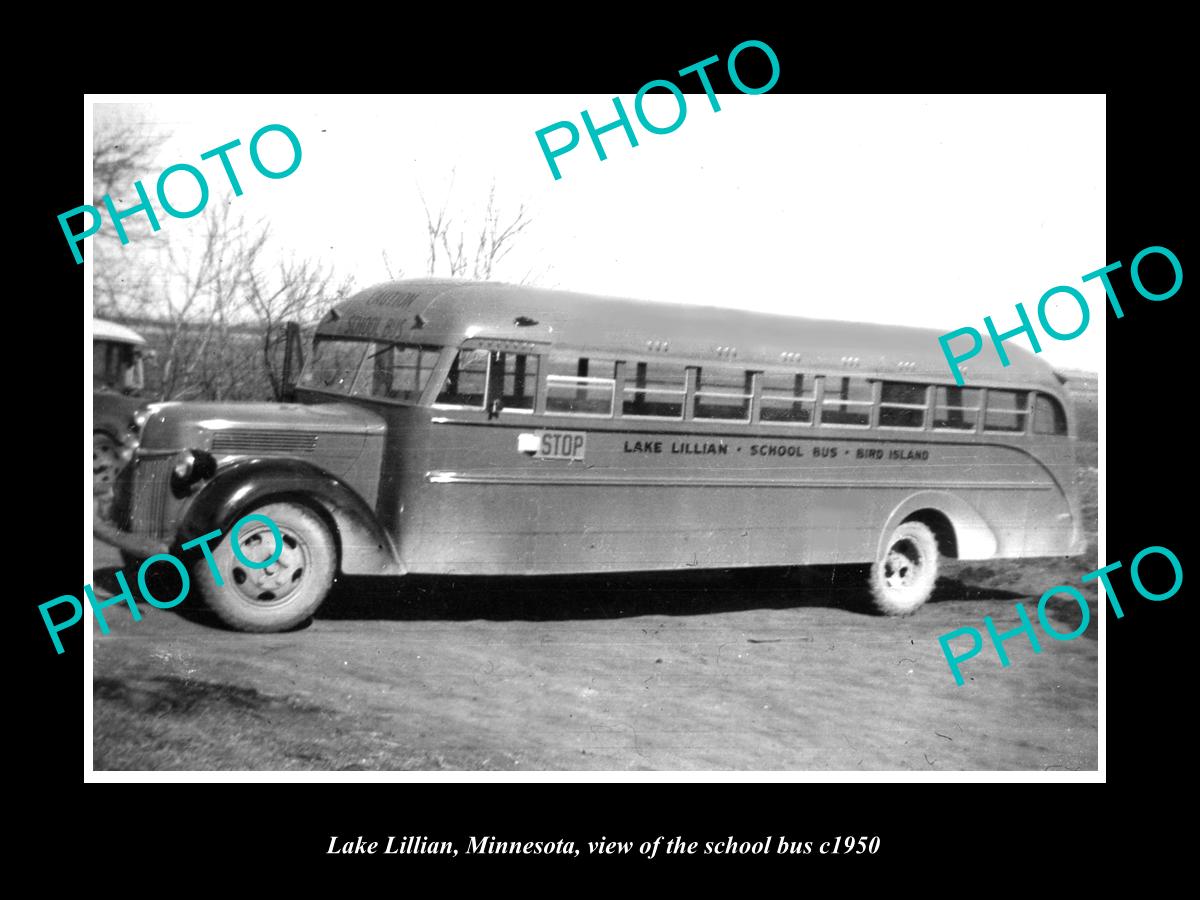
pixel 847 401
pixel 466 384
pixel 1048 416
pixel 786 398
pixel 579 386
pixel 723 393
pixel 1006 410
pixel 655 389
pixel 956 408
pixel 514 378
pixel 902 404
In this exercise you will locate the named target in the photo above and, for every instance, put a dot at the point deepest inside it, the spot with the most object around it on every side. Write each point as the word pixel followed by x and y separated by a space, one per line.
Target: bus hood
pixel 175 425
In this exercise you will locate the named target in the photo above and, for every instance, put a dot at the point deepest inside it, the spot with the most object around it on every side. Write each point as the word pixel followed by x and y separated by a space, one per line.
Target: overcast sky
pixel 931 211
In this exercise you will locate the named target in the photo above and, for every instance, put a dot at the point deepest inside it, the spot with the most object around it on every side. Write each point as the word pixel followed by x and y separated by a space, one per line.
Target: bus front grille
pixel 150 482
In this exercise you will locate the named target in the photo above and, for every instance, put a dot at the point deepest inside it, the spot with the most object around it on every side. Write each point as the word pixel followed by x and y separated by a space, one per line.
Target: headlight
pixel 185 462
pixel 138 420
pixel 188 467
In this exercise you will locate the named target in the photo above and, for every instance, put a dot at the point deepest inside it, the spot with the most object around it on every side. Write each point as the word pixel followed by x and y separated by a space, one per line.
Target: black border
pixel 1146 450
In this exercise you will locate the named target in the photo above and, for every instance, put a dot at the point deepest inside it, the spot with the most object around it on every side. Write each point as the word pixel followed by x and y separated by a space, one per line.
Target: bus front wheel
pixel 278 596
pixel 904 578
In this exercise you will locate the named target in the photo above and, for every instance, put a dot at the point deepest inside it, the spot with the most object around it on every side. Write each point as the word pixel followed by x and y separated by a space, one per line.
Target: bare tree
pixel 234 300
pixel 202 305
pixel 123 151
pixel 213 304
pixel 393 275
pixel 299 291
pixel 491 240
pixel 217 308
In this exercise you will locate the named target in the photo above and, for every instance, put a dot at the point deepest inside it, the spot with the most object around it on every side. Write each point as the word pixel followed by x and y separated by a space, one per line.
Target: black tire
pixel 162 578
pixel 279 596
pixel 904 578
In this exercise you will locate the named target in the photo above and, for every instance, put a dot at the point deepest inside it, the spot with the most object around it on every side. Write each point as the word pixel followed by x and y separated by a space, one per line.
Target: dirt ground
pixel 778 670
pixel 766 670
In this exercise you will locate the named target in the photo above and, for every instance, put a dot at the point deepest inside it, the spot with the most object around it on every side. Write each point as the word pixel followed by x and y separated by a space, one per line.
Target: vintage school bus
pixel 482 428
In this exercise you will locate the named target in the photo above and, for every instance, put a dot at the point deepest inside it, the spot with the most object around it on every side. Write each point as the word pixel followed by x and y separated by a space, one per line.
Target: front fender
pixel 364 546
pixel 974 536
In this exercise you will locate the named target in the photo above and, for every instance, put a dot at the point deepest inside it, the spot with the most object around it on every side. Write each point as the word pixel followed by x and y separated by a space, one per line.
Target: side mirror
pixel 293 361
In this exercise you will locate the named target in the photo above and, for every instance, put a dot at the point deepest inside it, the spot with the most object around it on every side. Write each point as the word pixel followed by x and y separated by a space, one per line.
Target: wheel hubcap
pixel 902 566
pixel 276 583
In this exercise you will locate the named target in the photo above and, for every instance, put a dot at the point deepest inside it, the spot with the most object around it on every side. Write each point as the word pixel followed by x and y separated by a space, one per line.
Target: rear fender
pixel 364 547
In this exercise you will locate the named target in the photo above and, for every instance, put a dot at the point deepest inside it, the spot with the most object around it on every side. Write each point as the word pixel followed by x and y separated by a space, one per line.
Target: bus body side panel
pixel 646 498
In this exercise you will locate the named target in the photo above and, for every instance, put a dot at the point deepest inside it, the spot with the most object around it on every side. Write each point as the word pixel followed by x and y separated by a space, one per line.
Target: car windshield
pixel 333 365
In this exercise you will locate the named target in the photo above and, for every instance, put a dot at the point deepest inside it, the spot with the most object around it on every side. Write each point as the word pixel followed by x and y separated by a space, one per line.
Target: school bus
pixel 444 426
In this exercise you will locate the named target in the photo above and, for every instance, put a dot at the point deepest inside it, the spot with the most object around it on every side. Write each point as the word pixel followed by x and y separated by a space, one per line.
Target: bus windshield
pixel 392 370
pixel 396 371
pixel 333 365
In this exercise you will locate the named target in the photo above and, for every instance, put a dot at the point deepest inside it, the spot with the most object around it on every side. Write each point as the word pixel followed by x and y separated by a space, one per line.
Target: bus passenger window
pixel 1005 410
pixel 723 393
pixel 786 398
pixel 1048 416
pixel 654 389
pixel 578 386
pixel 396 371
pixel 956 408
pixel 520 371
pixel 467 382
pixel 902 404
pixel 847 401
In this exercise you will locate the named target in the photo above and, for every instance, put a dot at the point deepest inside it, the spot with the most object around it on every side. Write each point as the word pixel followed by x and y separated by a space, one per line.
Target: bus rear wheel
pixel 904 578
pixel 278 596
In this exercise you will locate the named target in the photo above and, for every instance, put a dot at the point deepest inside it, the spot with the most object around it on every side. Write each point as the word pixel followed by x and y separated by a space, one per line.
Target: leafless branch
pixel 497 235
pixel 219 308
pixel 123 151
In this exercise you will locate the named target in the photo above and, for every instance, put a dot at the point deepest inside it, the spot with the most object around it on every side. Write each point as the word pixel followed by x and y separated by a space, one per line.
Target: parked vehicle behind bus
pixel 476 428
pixel 118 380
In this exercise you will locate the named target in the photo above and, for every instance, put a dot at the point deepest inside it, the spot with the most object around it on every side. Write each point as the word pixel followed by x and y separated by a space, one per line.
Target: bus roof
pixel 103 330
pixel 447 312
